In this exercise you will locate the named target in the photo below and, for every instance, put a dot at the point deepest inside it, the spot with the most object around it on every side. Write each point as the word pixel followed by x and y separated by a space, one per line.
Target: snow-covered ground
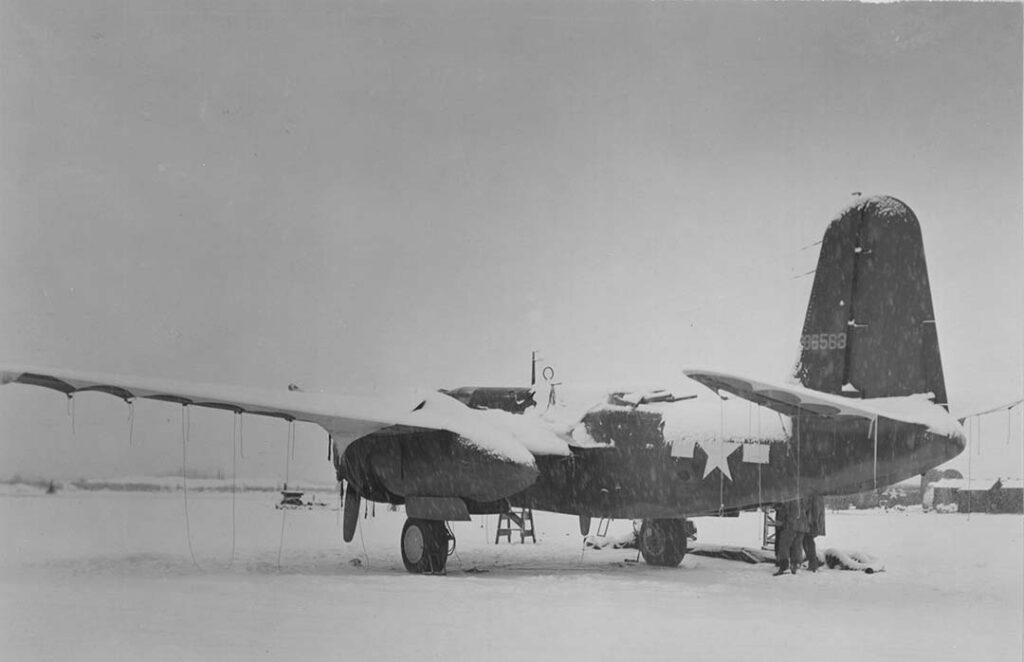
pixel 109 576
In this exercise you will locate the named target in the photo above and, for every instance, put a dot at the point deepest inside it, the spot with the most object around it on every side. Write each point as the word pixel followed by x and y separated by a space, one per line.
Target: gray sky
pixel 377 195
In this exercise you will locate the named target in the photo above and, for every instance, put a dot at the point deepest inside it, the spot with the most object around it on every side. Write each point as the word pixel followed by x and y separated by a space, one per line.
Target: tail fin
pixel 870 326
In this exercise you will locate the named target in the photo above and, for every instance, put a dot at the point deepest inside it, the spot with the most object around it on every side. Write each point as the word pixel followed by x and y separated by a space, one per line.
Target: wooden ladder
pixel 510 521
pixel 768 532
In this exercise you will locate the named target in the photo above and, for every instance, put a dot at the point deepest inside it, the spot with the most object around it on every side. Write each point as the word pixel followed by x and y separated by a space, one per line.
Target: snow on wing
pixel 512 436
pixel 345 417
pixel 917 409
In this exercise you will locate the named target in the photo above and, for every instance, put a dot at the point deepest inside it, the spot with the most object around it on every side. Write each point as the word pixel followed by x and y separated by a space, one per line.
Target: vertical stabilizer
pixel 870 326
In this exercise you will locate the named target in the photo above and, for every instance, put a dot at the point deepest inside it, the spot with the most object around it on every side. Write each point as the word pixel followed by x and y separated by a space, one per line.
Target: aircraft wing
pixel 345 417
pixel 964 415
pixel 792 400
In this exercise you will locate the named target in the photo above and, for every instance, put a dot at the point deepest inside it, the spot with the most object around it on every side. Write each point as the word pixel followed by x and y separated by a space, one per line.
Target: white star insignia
pixel 718 455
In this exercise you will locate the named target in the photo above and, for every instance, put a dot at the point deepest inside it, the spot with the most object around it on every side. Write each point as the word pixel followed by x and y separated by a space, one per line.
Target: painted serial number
pixel 823 341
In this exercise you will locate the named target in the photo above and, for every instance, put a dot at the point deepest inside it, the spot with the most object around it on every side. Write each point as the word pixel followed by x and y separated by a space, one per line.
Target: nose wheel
pixel 425 546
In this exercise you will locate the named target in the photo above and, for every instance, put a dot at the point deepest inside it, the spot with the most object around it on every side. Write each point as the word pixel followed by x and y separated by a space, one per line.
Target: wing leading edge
pixel 345 417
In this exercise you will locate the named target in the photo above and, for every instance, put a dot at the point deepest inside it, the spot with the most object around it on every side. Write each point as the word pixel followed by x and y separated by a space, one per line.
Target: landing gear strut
pixel 425 546
pixel 663 541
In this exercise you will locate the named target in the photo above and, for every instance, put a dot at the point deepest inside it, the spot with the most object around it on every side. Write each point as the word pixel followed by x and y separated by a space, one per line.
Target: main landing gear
pixel 425 543
pixel 425 546
pixel 663 541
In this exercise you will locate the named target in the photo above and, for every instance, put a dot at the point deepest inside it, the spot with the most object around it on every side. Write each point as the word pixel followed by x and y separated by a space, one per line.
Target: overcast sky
pixel 357 196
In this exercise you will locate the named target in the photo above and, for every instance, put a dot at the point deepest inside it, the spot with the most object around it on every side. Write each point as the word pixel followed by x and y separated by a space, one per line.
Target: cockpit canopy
pixel 514 399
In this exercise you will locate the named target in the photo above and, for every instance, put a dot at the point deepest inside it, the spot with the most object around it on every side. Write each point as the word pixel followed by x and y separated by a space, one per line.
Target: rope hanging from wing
pixel 970 455
pixel 289 452
pixel 71 412
pixel 186 424
pixel 873 432
pixel 721 447
pixel 798 426
pixel 750 435
pixel 973 425
pixel 131 419
pixel 234 477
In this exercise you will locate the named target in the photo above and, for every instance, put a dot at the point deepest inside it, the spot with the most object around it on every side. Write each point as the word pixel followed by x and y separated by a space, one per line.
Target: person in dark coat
pixel 814 511
pixel 791 519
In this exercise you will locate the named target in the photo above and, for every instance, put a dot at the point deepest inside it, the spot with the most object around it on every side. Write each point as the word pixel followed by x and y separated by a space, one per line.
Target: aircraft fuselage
pixel 647 481
pixel 696 457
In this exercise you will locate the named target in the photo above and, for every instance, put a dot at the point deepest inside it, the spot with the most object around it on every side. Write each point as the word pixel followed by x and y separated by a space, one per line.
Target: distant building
pixel 977 496
pixel 860 501
pixel 903 494
pixel 1010 498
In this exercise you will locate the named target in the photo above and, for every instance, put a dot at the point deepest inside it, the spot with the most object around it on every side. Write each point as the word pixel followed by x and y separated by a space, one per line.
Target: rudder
pixel 870 324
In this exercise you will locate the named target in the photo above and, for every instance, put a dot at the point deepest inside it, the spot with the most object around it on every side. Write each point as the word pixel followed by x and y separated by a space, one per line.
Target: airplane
pixel 865 408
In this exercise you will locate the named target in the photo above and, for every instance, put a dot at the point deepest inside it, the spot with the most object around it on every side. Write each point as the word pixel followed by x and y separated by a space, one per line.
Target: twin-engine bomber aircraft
pixel 870 410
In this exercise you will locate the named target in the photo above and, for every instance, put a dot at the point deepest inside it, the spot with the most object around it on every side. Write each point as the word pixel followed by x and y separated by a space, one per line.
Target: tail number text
pixel 823 341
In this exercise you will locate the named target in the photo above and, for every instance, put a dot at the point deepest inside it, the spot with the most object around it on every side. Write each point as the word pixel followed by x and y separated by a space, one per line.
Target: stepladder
pixel 512 522
pixel 769 531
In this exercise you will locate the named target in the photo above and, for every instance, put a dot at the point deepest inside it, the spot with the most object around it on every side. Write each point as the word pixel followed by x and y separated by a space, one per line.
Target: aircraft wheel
pixel 424 546
pixel 663 541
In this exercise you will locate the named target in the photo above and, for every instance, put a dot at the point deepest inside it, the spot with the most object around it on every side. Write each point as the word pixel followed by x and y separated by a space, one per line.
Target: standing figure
pixel 792 520
pixel 815 514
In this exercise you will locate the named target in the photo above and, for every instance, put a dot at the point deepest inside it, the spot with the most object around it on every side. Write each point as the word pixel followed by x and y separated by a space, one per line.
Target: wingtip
pixel 8 374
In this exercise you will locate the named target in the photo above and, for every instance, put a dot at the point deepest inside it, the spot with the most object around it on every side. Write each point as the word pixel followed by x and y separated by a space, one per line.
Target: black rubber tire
pixel 663 541
pixel 424 546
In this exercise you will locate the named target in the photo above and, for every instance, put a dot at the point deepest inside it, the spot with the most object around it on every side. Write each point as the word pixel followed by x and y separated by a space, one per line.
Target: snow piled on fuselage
pixel 710 417
pixel 498 433
pixel 701 416
pixel 556 422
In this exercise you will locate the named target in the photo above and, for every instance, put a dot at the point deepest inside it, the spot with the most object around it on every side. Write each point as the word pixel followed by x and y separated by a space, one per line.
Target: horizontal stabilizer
pixel 916 409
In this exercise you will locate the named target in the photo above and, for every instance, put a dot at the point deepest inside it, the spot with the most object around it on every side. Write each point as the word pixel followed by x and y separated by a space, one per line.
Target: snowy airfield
pixel 109 576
